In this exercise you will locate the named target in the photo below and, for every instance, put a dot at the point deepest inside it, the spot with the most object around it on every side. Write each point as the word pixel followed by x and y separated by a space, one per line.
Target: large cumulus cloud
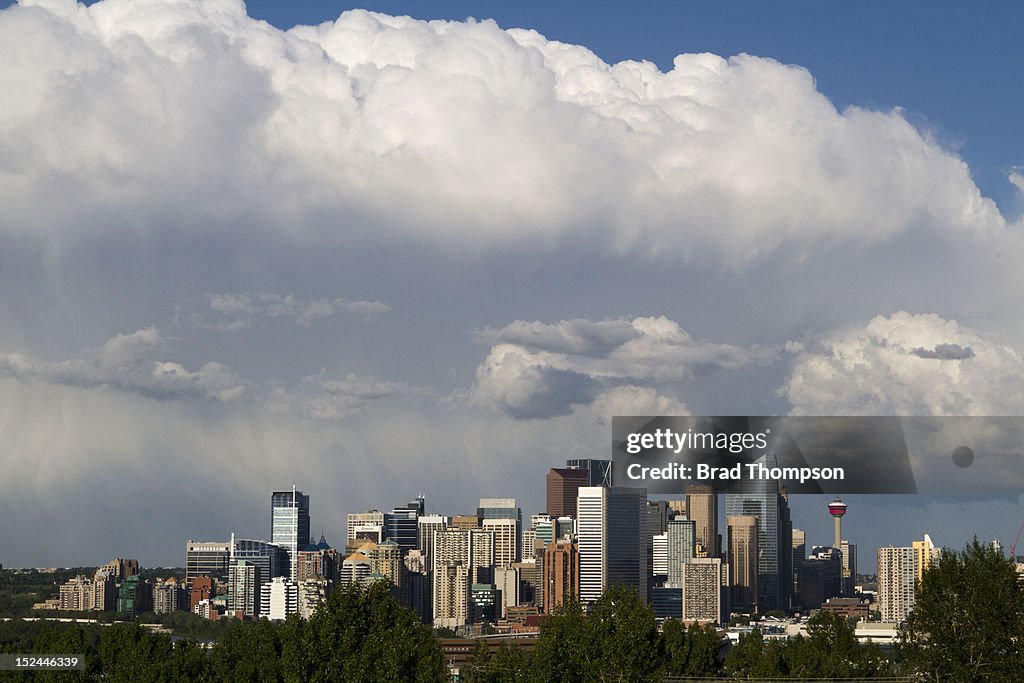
pixel 906 364
pixel 134 116
pixel 539 370
pixel 130 362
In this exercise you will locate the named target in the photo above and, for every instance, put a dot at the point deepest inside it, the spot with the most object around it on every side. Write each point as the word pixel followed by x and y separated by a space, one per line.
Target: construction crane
pixel 1013 546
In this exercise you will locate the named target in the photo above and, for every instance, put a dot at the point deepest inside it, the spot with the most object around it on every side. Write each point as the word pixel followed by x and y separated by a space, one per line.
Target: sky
pixel 377 256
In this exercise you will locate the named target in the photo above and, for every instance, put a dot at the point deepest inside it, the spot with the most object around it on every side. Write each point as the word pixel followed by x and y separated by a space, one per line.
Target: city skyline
pixel 382 254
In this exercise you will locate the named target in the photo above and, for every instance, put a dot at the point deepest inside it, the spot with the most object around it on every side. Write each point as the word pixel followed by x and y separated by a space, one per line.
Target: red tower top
pixel 837 508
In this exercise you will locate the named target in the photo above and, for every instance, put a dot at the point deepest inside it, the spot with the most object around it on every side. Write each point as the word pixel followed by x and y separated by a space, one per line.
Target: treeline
pixel 619 641
pixel 968 625
pixel 361 634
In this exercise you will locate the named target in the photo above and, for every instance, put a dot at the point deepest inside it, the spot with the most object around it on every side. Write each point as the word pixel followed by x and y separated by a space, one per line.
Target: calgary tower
pixel 837 509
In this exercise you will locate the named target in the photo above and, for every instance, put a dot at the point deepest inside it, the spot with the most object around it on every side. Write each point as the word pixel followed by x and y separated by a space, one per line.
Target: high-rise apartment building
pixel 561 574
pixel 504 519
pixel 925 553
pixel 506 580
pixel 896 578
pixel 899 570
pixel 427 528
pixel 168 596
pixel 702 591
pixel 134 596
pixel 562 487
pixel 289 523
pixel 120 568
pixel 611 540
pixel 279 598
pixel 680 547
pixel 244 581
pixel 506 549
pixel 451 591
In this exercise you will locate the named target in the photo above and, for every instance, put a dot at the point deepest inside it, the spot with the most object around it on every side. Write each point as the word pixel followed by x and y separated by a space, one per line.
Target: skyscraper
pixel 289 523
pixel 895 583
pixel 743 561
pixel 504 519
pixel 561 574
pixel 680 547
pixel 899 569
pixel 427 528
pixel 272 559
pixel 599 472
pixel 369 525
pixel 400 525
pixel 612 547
pixel 799 555
pixel 244 581
pixel 702 590
pixel 562 487
pixel 702 508
pixel 767 501
pixel 207 558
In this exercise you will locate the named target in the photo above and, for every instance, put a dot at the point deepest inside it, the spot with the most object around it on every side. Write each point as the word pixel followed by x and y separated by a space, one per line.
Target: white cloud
pixel 906 364
pixel 321 397
pixel 457 133
pixel 238 311
pixel 127 362
pixel 538 370
pixel 1017 180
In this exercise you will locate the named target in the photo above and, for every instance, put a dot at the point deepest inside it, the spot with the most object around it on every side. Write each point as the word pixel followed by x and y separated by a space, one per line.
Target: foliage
pixel 968 618
pixel 830 650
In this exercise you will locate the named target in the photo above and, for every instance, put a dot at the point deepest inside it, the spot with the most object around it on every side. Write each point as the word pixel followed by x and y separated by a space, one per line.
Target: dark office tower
pixel 563 484
pixel 702 508
pixel 207 558
pixel 765 500
pixel 401 525
pixel 599 472
pixel 786 568
pixel 799 555
pixel 821 577
pixel 289 523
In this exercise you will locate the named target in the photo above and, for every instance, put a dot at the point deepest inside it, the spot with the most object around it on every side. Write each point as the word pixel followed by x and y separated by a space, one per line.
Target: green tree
pixel 968 619
pixel 744 659
pixel 627 634
pixel 703 646
pixel 562 653
pixel 616 641
pixel 364 634
pixel 130 654
pixel 249 653
pixel 478 668
pixel 511 665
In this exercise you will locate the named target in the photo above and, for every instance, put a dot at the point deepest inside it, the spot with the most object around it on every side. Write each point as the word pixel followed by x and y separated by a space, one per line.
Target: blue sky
pixel 383 257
